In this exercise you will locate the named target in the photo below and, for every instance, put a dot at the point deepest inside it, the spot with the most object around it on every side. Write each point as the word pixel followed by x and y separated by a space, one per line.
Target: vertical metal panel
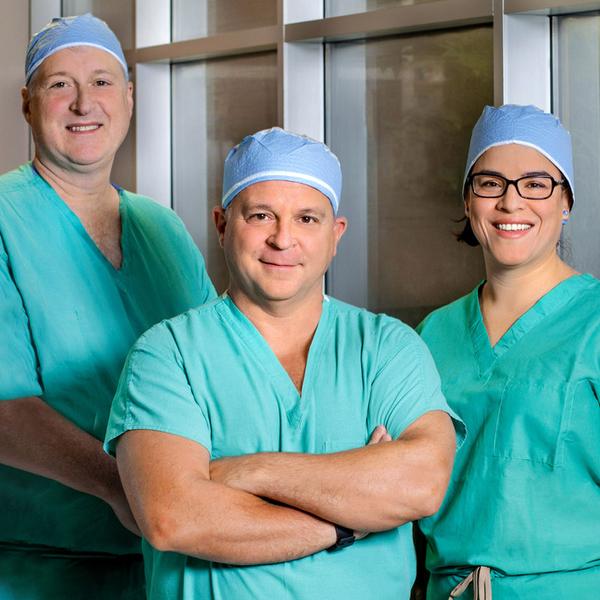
pixel 303 74
pixel 41 12
pixel 153 118
pixel 190 153
pixel 526 62
pixel 348 277
pixel 153 22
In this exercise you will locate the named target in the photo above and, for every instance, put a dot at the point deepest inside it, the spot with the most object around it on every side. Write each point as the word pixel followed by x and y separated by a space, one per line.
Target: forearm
pixel 234 527
pixel 348 488
pixel 180 510
pixel 36 438
pixel 374 488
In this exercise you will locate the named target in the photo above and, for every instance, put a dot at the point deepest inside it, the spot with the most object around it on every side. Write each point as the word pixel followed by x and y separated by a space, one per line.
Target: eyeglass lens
pixel 494 186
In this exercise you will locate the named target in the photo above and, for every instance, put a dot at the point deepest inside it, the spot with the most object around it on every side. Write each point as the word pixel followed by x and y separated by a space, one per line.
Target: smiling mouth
pixel 273 264
pixel 83 128
pixel 513 226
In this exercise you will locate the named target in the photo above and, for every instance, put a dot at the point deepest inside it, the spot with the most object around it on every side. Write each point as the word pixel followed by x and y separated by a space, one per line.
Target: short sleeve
pixel 207 289
pixel 204 290
pixel 154 393
pixel 19 372
pixel 407 386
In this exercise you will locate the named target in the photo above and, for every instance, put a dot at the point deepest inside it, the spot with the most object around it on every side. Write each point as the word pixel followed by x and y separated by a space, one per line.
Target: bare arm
pixel 374 488
pixel 166 479
pixel 36 438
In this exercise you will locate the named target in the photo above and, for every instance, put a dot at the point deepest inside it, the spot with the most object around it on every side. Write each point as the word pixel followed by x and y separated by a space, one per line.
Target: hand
pixel 380 434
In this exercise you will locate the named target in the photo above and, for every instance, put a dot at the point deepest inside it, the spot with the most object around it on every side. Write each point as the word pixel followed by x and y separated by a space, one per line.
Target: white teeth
pixel 83 127
pixel 513 226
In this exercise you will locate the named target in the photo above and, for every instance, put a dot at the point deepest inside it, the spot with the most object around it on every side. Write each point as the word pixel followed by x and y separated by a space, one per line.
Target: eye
pixel 102 83
pixel 57 85
pixel 307 219
pixel 538 183
pixel 260 217
pixel 489 183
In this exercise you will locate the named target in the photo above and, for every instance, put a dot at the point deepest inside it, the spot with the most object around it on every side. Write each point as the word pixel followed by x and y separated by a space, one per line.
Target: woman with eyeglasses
pixel 519 359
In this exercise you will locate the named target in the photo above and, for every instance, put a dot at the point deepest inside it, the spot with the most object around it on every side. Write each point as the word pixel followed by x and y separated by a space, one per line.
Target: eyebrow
pixel 67 74
pixel 258 207
pixel 529 174
pixel 269 208
pixel 312 211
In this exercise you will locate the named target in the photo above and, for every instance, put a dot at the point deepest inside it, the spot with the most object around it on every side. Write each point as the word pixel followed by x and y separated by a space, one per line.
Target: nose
pixel 82 102
pixel 511 200
pixel 282 235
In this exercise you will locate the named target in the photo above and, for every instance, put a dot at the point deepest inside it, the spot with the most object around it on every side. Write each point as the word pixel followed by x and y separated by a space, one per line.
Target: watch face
pixel 346 541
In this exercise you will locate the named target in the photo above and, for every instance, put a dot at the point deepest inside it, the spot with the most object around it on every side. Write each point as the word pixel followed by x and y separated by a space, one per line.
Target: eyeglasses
pixel 538 187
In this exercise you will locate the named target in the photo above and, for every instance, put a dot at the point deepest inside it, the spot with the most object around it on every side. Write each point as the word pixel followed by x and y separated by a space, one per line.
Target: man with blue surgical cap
pixel 85 268
pixel 240 426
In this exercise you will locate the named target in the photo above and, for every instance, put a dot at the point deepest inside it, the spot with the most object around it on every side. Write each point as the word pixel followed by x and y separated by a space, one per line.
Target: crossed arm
pixel 178 508
pixel 375 488
pixel 216 511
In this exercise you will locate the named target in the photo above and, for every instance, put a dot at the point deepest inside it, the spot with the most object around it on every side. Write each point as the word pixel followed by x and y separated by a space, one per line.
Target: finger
pixel 377 434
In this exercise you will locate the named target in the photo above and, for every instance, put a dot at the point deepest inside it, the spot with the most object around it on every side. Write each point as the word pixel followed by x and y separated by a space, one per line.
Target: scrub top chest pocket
pixel 532 421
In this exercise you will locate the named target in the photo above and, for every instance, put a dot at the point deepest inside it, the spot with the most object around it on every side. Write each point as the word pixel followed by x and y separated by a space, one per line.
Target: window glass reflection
pixel 336 8
pixel 399 115
pixel 577 103
pixel 117 13
pixel 215 104
pixel 199 18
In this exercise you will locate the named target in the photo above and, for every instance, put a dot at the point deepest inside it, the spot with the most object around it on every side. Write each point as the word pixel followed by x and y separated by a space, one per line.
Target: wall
pixel 14 35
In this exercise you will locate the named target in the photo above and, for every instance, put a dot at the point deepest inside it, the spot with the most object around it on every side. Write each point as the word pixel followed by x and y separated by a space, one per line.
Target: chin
pixel 511 261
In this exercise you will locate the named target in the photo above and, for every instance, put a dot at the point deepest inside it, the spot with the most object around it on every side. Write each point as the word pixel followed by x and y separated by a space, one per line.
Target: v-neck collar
pixel 70 215
pixel 556 298
pixel 263 354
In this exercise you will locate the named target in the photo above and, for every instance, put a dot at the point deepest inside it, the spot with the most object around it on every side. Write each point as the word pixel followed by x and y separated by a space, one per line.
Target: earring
pixel 565 218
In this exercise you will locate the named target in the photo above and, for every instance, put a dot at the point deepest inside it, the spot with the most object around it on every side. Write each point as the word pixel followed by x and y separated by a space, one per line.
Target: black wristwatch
pixel 344 538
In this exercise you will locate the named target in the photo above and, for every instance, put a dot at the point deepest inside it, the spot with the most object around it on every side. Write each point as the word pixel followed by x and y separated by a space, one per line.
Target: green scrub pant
pixel 43 575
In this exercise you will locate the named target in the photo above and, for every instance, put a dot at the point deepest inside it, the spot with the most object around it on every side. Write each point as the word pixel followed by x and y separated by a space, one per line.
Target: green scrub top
pixel 67 320
pixel 209 376
pixel 524 498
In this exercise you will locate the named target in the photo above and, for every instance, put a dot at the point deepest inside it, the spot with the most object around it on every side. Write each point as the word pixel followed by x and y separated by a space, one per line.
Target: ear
pixel 220 221
pixel 130 97
pixel 467 205
pixel 564 202
pixel 26 104
pixel 339 228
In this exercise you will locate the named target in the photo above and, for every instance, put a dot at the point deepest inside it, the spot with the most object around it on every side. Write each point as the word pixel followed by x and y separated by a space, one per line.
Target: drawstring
pixel 482 585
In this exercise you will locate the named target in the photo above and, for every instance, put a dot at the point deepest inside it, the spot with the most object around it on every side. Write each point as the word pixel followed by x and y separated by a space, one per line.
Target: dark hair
pixel 466 235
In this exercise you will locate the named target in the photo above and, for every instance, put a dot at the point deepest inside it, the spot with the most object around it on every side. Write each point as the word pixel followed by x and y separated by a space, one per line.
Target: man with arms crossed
pixel 240 426
pixel 85 268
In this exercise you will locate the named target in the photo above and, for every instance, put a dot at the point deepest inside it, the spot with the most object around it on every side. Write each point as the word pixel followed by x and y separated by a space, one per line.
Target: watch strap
pixel 344 537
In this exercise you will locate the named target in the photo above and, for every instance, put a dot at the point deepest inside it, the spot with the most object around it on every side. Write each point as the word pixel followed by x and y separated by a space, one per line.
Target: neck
pixel 83 192
pixel 285 322
pixel 520 288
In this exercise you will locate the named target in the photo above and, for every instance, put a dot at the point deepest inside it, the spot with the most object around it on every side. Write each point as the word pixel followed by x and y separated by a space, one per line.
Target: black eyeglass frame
pixel 515 182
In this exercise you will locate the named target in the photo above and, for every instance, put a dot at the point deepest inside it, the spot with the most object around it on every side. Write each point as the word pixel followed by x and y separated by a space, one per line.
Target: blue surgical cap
pixel 527 126
pixel 276 154
pixel 67 32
